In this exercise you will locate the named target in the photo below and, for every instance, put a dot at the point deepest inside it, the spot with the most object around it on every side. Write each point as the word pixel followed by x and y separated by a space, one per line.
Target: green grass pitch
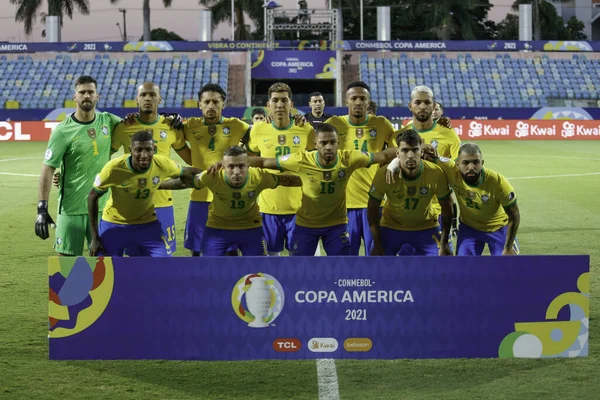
pixel 558 187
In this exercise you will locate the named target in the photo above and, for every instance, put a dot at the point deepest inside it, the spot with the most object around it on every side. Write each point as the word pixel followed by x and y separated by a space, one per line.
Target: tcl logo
pixel 26 131
pixel 287 345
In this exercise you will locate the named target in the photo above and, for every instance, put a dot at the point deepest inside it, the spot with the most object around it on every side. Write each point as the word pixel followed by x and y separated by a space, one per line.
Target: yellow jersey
pixel 165 138
pixel 323 188
pixel 209 142
pixel 271 142
pixel 481 205
pixel 235 208
pixel 409 205
pixel 131 199
pixel 371 136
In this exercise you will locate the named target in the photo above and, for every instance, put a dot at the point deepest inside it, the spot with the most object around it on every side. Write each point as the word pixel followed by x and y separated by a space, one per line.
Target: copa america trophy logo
pixel 258 299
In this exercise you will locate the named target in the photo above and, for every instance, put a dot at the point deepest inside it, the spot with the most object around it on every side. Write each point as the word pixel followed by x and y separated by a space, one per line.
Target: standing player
pixel 408 217
pixel 281 137
pixel 208 137
pixel 325 174
pixel 372 108
pixel 129 219
pixel 317 115
pixel 258 115
pixel 165 138
pixel 367 133
pixel 80 145
pixel 233 217
pixel 489 213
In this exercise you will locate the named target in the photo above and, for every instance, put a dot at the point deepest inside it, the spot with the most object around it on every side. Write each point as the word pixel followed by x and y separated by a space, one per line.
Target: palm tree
pixel 28 10
pixel 221 11
pixel 539 9
pixel 146 12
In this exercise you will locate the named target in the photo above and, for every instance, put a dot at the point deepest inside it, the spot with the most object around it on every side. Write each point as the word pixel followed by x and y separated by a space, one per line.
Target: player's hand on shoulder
pixel 56 179
pixel 96 247
pixel 42 220
pixel 429 153
pixel 130 119
pixel 174 120
pixel 215 168
pixel 445 122
pixel 392 170
pixel 445 250
pixel 299 119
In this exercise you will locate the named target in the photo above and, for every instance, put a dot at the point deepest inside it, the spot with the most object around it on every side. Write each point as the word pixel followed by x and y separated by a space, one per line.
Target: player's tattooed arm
pixel 514 219
pixel 446 224
pixel 384 157
pixel 290 180
pixel 261 162
pixel 185 181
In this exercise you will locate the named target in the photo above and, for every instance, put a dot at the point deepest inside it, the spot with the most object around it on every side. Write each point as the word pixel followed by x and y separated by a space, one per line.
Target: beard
pixel 471 180
pixel 146 111
pixel 87 106
pixel 422 118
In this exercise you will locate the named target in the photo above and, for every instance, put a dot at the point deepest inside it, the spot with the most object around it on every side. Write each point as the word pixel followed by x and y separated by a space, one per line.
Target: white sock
pixel 274 254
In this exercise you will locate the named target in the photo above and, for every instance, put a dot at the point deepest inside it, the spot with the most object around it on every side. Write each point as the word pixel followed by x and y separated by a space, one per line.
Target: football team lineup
pixel 329 182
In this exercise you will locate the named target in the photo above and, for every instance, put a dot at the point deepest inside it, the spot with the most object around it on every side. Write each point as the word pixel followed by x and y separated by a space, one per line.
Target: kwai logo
pixel 258 299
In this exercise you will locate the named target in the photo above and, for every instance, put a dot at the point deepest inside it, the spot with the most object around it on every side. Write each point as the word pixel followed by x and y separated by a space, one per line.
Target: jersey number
pixel 142 193
pixel 282 151
pixel 237 204
pixel 472 204
pixel 95 144
pixel 357 145
pixel 211 144
pixel 410 203
pixel 170 233
pixel 327 187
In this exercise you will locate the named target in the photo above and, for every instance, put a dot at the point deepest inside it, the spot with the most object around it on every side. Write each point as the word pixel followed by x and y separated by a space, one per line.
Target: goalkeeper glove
pixel 175 120
pixel 42 220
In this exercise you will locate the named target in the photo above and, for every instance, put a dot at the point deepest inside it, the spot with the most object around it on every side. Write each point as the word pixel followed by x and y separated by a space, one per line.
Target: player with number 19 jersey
pixel 370 136
pixel 80 149
pixel 207 142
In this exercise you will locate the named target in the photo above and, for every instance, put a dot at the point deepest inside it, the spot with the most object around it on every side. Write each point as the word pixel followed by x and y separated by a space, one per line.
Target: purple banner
pixel 327 307
pixel 546 113
pixel 293 64
pixel 348 45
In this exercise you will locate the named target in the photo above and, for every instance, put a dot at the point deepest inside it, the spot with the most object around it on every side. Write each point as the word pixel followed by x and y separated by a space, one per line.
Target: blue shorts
pixel 147 238
pixel 472 241
pixel 424 243
pixel 217 242
pixel 195 224
pixel 278 231
pixel 166 217
pixel 358 229
pixel 335 240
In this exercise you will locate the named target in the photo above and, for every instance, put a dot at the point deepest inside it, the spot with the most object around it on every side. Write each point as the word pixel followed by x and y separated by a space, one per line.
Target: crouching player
pixel 129 218
pixel 489 213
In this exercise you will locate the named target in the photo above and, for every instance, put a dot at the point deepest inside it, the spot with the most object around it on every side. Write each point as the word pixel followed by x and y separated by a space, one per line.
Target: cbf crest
pixel 226 131
pixel 327 175
pixel 296 140
pixel 373 133
pixel 163 135
pixel 424 190
pixel 142 182
pixel 485 198
pixel 360 133
pixel 251 194
pixel 341 174
pixel 91 133
pixel 105 130
pixel 155 180
pixel 281 139
pixel 411 190
pixel 434 143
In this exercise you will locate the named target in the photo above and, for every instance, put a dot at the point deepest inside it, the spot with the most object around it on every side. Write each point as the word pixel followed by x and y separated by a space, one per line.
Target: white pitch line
pixel 19 159
pixel 552 176
pixel 12 174
pixel 561 157
pixel 329 388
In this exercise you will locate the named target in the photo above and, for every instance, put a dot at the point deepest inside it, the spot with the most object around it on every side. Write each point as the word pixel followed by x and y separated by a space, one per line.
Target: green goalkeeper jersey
pixel 80 149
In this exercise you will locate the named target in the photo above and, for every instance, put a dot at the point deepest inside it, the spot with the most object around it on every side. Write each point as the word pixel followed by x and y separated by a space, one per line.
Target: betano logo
pixel 358 345
pixel 257 299
pixel 322 345
pixel 287 345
